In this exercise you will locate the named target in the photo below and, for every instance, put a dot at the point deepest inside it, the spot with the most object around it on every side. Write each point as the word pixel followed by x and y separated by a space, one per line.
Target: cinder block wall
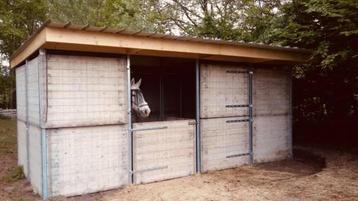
pixel 72 131
pixel 86 124
pixel 72 124
pixel 163 153
pixel 21 117
pixel 28 121
pixel 272 114
pixel 224 137
pixel 223 142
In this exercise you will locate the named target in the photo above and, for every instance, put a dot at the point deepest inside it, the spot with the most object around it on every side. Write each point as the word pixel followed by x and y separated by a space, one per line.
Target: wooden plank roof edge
pixel 141 33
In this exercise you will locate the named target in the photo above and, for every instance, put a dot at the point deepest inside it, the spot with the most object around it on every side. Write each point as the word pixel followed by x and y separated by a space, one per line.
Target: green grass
pixel 15 174
pixel 7 135
pixel 8 146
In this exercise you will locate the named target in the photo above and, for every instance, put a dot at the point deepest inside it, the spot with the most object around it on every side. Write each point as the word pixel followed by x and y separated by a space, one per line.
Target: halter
pixel 135 96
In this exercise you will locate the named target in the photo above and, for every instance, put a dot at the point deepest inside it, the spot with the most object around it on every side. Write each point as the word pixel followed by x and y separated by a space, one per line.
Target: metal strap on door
pixel 250 114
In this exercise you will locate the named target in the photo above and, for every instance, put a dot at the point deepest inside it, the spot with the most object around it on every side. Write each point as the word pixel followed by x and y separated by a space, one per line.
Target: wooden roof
pixel 69 37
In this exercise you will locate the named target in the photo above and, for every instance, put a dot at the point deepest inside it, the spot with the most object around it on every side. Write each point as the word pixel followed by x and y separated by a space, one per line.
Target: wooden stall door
pixel 224 116
pixel 163 150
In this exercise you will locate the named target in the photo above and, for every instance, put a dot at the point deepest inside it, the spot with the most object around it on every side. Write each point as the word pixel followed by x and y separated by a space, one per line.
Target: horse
pixel 139 105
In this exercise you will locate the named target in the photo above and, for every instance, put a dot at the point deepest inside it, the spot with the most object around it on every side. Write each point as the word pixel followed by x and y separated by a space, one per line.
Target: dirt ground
pixel 314 174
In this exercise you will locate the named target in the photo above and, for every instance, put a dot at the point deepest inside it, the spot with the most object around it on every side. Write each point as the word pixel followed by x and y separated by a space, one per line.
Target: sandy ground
pixel 314 174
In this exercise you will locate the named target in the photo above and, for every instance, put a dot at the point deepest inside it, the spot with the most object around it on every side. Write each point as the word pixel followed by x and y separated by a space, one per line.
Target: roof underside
pixel 68 37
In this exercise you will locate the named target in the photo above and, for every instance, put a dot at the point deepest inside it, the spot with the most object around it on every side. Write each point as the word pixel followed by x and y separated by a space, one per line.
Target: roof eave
pixel 58 37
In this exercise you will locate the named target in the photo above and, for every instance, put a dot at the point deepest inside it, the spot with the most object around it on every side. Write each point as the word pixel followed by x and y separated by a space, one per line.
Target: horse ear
pixel 139 82
pixel 132 82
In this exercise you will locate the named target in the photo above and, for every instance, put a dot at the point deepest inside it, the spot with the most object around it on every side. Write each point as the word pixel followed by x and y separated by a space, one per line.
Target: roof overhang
pixel 67 37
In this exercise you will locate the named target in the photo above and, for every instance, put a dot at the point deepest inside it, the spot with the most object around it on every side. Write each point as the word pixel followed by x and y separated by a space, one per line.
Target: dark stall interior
pixel 168 86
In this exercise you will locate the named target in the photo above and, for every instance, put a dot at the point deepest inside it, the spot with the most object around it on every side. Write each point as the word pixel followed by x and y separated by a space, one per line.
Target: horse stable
pixel 101 108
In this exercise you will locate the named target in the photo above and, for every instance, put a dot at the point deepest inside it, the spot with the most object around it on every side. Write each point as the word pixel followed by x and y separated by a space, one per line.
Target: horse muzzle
pixel 144 111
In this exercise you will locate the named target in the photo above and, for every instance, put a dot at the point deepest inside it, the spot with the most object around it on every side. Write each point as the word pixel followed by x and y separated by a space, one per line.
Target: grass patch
pixel 4 117
pixel 7 135
pixel 15 174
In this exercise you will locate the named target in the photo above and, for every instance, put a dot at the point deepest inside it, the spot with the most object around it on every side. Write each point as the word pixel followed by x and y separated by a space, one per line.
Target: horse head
pixel 139 105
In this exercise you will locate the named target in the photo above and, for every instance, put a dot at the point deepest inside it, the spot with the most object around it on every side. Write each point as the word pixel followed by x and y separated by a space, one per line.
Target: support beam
pixel 251 120
pixel 44 148
pixel 27 121
pixel 290 115
pixel 130 126
pixel 197 117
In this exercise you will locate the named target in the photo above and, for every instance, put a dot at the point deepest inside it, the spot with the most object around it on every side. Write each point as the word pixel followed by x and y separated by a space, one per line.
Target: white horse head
pixel 139 105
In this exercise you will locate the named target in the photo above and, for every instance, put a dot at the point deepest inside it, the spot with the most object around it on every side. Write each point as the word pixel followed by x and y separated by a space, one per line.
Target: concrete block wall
pixel 222 86
pixel 35 158
pixel 33 98
pixel 79 109
pixel 21 117
pixel 86 124
pixel 224 136
pixel 28 122
pixel 21 93
pixel 85 91
pixel 223 143
pixel 272 115
pixel 161 154
pixel 87 159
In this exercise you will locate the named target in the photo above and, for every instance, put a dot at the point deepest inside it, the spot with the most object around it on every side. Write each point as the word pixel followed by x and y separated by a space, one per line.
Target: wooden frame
pixel 63 37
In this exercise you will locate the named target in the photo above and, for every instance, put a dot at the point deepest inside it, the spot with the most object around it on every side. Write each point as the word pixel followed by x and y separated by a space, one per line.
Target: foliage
pixel 7 135
pixel 6 87
pixel 245 20
pixel 18 20
pixel 133 14
pixel 14 174
pixel 326 87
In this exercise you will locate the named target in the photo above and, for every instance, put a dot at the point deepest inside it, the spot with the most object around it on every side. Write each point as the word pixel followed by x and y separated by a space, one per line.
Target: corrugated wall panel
pixel 223 141
pixel 163 153
pixel 222 89
pixel 87 159
pixel 271 115
pixel 86 90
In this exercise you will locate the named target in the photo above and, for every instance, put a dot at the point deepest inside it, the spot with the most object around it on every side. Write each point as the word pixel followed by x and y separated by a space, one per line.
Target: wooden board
pixel 161 154
pixel 55 36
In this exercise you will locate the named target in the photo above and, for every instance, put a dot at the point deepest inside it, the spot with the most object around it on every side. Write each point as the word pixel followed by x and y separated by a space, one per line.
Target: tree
pixel 132 14
pixel 328 85
pixel 245 20
pixel 18 20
